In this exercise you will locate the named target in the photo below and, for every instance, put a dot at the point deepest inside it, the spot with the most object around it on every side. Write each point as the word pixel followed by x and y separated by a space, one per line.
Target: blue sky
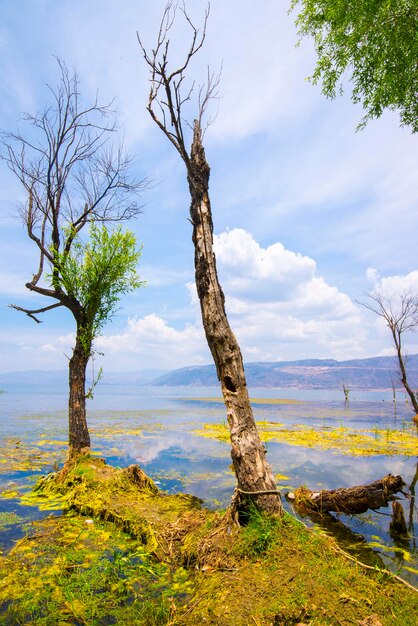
pixel 308 213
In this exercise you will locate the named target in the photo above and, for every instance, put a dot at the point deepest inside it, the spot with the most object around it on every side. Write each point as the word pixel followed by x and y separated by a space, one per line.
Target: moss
pixel 128 498
pixel 180 564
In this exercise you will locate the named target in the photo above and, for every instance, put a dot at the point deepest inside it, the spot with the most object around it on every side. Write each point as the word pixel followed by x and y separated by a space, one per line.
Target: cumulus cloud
pixel 150 341
pixel 391 288
pixel 279 306
pixel 259 273
pixel 395 285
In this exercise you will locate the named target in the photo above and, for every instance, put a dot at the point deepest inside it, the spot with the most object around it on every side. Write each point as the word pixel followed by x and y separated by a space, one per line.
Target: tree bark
pixel 397 340
pixel 253 472
pixel 79 438
pixel 349 501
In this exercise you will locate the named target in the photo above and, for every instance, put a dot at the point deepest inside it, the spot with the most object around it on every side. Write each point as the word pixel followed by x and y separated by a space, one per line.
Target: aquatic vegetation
pixel 253 400
pixel 76 570
pixel 22 455
pixel 87 570
pixel 345 440
pixel 8 519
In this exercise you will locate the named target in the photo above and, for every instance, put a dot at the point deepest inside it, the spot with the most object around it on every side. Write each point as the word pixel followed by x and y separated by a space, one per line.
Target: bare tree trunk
pixel 404 379
pixel 253 472
pixel 79 438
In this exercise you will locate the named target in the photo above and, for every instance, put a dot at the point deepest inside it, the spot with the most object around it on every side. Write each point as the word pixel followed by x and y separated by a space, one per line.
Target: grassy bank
pixel 127 554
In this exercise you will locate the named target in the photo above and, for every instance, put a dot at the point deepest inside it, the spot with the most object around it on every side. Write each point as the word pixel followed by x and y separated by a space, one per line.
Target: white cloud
pixel 256 272
pixel 396 285
pixel 278 306
pixel 151 342
pixel 63 344
pixel 391 288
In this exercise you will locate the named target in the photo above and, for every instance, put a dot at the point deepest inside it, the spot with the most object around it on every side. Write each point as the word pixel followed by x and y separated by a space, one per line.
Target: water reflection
pixel 154 427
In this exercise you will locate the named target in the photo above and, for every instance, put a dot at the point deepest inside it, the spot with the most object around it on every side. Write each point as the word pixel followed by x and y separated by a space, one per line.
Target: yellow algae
pixel 24 456
pixel 51 442
pixel 76 570
pixel 253 400
pixel 342 440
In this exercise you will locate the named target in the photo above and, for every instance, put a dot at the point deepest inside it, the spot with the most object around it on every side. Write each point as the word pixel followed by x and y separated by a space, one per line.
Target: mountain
pixel 59 377
pixel 373 373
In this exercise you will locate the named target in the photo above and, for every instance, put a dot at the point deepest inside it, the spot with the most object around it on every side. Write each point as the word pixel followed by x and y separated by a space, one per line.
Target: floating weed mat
pixel 73 570
pixel 124 428
pixel 19 455
pixel 353 442
pixel 7 519
pixel 253 400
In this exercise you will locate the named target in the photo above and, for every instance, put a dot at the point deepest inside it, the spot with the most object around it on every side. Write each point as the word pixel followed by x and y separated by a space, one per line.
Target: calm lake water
pixel 153 426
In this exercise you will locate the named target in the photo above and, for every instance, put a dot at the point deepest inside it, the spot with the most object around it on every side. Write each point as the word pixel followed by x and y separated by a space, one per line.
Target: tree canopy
pixel 76 174
pixel 372 42
pixel 97 273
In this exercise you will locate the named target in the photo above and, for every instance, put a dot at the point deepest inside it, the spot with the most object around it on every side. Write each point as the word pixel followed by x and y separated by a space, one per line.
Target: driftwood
pixel 351 500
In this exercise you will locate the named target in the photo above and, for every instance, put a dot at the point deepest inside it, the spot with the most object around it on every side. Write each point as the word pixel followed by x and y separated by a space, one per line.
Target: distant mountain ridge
pixel 59 377
pixel 371 373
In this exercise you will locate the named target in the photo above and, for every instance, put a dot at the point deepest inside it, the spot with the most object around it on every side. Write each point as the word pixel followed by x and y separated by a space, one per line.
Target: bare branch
pixel 401 315
pixel 72 172
pixel 33 313
pixel 168 93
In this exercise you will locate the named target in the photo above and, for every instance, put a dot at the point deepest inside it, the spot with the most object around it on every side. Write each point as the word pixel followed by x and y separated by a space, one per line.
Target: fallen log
pixel 350 500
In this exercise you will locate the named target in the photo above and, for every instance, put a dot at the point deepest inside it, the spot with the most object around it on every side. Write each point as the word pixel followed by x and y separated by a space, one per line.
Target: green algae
pixel 202 570
pixel 8 519
pixel 75 570
pixel 18 455
pixel 344 440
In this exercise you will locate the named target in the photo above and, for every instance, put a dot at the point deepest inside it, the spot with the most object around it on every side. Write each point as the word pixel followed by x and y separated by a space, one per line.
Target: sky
pixel 309 215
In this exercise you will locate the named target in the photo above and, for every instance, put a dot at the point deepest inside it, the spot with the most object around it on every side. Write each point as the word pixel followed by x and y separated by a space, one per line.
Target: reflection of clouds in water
pixel 145 450
pixel 149 448
pixel 320 468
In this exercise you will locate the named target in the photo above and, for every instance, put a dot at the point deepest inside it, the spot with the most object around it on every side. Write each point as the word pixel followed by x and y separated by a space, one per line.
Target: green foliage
pixel 87 573
pixel 373 42
pixel 95 274
pixel 260 533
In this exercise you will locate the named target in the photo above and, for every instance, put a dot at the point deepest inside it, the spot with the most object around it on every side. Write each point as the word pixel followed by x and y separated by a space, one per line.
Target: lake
pixel 160 428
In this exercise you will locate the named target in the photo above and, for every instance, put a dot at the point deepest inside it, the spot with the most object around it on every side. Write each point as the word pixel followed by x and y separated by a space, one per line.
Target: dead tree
pixel 350 500
pixel 167 99
pixel 72 176
pixel 401 316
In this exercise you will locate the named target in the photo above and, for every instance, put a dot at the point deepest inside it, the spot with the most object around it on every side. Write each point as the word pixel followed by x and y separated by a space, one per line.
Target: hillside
pixel 373 373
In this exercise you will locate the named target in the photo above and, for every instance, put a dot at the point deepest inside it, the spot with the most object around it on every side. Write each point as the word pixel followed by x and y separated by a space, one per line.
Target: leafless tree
pixel 168 96
pixel 73 173
pixel 401 316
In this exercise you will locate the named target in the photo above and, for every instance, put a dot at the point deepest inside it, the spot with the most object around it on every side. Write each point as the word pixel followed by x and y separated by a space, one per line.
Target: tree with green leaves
pixel 74 176
pixel 93 275
pixel 373 43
